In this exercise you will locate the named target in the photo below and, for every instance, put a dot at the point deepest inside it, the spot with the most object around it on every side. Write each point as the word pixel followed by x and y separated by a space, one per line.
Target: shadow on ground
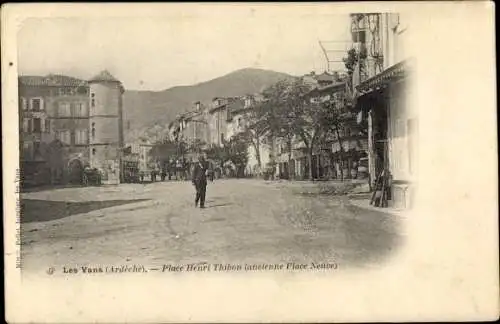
pixel 33 210
pixel 218 205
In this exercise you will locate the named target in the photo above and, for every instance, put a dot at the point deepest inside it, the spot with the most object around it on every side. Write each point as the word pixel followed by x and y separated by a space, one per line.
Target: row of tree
pixel 234 151
pixel 286 114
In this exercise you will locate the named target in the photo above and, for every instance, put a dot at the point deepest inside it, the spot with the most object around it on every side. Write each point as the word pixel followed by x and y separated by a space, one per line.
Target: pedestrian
pixel 163 171
pixel 200 182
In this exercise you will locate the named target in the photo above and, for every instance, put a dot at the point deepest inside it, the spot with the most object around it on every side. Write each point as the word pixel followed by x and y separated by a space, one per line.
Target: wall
pixel 56 157
pixel 402 134
pixel 252 163
pixel 105 120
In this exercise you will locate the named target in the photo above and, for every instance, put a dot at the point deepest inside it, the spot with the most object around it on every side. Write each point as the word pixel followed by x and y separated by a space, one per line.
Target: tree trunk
pixel 341 168
pixel 257 152
pixel 349 169
pixel 289 159
pixel 341 153
pixel 309 158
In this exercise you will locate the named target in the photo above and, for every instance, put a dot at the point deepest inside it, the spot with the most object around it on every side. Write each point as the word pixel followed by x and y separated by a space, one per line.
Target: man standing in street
pixel 200 181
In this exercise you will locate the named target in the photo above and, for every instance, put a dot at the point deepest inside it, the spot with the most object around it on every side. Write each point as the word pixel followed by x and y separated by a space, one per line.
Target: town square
pixel 250 162
pixel 310 169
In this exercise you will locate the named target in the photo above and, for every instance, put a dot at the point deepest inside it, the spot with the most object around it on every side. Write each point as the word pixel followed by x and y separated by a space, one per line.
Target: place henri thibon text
pixel 199 267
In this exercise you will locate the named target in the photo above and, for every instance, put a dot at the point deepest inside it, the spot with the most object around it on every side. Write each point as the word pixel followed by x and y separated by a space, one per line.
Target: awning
pixel 383 79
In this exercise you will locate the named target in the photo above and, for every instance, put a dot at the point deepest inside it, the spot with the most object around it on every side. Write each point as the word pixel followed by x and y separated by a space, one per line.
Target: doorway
pixel 75 172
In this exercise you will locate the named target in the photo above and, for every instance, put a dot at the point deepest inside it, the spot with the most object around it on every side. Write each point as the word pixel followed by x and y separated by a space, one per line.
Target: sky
pixel 182 47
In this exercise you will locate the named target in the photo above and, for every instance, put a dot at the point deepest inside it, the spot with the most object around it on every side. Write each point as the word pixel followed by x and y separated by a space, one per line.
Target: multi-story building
pixel 106 126
pixel 57 136
pixel 240 117
pixel 218 115
pixel 218 123
pixel 384 99
pixel 327 159
pixel 142 150
pixel 194 125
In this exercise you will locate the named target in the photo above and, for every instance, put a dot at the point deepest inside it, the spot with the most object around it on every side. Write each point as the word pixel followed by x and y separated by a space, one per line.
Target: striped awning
pixel 383 79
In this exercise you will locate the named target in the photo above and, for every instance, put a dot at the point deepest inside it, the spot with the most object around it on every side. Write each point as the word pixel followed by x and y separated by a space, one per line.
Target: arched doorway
pixel 75 171
pixel 56 161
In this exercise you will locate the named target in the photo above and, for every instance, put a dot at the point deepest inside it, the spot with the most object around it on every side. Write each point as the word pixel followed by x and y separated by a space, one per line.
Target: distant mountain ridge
pixel 151 111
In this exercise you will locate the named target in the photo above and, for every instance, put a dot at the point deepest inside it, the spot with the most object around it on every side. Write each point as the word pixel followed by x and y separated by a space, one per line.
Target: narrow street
pixel 247 221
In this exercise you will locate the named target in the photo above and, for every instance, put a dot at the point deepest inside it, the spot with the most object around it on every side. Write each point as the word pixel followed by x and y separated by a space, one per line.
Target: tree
pixel 334 120
pixel 196 146
pixel 302 118
pixel 217 154
pixel 237 152
pixel 354 57
pixel 255 130
pixel 164 150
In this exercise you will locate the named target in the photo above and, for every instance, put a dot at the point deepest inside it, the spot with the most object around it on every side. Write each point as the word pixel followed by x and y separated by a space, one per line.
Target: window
pixel 64 136
pixel 36 104
pixel 82 90
pixel 222 137
pixel 80 109
pixel 47 125
pixel 92 100
pixel 67 91
pixel 400 129
pixel 23 103
pixel 412 133
pixel 27 151
pixel 36 148
pixel 93 151
pixel 26 125
pixel 93 131
pixel 64 109
pixel 37 125
pixel 81 137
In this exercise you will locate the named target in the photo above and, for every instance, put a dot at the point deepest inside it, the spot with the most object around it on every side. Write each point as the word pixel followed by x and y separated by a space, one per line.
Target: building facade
pixel 55 135
pixel 216 124
pixel 106 126
pixel 328 160
pixel 383 98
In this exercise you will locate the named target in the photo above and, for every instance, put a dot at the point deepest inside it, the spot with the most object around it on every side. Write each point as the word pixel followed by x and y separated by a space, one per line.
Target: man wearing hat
pixel 200 181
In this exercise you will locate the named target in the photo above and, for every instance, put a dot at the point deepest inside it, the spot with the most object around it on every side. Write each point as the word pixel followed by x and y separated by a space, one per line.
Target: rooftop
pixel 104 76
pixel 51 80
pixel 325 77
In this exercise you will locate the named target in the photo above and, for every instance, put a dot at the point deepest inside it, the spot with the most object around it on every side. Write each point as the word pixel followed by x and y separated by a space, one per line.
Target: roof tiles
pixel 52 80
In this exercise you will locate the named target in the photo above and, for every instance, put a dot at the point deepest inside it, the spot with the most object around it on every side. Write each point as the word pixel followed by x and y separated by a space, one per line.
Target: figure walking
pixel 200 182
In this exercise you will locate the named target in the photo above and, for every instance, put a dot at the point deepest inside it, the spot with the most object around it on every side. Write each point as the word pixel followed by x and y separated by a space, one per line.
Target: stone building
pixel 106 126
pixel 55 128
pixel 383 95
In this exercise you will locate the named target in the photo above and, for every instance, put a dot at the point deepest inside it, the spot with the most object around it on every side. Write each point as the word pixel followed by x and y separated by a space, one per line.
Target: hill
pixel 151 111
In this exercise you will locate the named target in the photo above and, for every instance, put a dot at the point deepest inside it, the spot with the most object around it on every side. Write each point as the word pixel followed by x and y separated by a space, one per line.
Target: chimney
pixel 198 106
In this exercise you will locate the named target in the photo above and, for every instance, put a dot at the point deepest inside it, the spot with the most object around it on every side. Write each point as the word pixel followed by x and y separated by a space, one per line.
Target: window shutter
pixel 42 104
pixel 42 125
pixel 26 125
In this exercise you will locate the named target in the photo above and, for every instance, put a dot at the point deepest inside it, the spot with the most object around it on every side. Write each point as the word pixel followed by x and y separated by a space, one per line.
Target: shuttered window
pixel 81 136
pixel 64 109
pixel 64 136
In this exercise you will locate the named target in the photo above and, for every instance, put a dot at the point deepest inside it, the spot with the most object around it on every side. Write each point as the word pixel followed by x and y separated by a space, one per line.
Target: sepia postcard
pixel 250 162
